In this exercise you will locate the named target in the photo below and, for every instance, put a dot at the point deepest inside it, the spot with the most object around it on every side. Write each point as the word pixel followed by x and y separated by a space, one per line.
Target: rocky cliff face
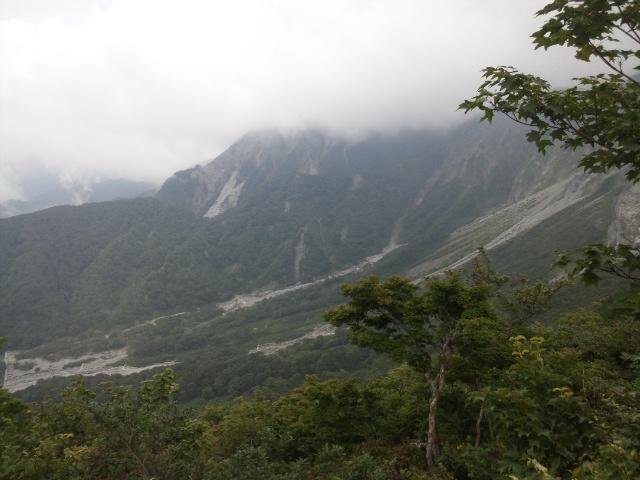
pixel 214 188
pixel 625 227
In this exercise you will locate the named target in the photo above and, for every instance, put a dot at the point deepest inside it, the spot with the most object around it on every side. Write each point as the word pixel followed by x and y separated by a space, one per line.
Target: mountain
pixel 314 202
pixel 442 195
pixel 250 248
pixel 43 190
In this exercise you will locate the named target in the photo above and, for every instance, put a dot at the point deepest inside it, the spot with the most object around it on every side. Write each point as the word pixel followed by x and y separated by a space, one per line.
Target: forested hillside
pixel 519 401
pixel 167 280
pixel 310 204
pixel 424 305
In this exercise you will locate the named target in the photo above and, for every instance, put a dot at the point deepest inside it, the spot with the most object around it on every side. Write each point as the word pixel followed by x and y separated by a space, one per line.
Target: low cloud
pixel 141 88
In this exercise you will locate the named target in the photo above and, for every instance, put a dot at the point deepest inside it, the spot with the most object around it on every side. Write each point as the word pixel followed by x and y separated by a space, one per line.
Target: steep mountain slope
pixel 480 185
pixel 326 201
pixel 69 269
pixel 280 220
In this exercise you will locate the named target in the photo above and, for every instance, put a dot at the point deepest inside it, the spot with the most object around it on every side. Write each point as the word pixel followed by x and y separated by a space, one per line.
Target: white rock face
pixel 509 222
pixel 299 253
pixel 154 321
pixel 228 197
pixel 310 168
pixel 274 347
pixel 534 209
pixel 23 373
pixel 249 299
pixel 625 227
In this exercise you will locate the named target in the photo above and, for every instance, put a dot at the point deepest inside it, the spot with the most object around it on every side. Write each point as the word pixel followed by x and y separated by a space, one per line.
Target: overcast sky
pixel 142 88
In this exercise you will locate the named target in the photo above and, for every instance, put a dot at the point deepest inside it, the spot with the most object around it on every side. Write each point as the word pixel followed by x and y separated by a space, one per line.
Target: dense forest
pixel 482 385
pixel 530 401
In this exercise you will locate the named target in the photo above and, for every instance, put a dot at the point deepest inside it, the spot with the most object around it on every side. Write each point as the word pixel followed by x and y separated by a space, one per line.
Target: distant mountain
pixel 47 190
pixel 308 203
pixel 441 194
pixel 284 218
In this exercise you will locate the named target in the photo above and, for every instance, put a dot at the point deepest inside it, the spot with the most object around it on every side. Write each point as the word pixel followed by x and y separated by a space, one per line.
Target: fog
pixel 142 88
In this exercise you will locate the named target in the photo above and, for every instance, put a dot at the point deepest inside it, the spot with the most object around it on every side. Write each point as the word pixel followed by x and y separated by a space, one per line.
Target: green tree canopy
pixel 600 112
pixel 430 327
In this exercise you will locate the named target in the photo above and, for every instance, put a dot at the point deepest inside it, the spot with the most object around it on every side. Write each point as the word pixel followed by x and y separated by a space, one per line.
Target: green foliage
pixel 601 112
pixel 409 324
pixel 520 300
pixel 600 115
pixel 590 262
pixel 396 405
pixel 446 328
pixel 617 460
pixel 536 414
pixel 127 434
pixel 322 413
pixel 521 401
pixel 592 28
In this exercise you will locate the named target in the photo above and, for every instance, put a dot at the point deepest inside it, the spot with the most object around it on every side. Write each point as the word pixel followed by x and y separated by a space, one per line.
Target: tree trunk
pixel 491 436
pixel 436 390
pixel 478 423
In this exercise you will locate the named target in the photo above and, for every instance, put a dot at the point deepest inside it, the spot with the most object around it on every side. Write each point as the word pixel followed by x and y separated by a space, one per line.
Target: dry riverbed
pixel 23 373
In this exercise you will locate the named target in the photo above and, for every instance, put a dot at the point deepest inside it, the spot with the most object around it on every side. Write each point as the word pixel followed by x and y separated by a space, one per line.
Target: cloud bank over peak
pixel 141 88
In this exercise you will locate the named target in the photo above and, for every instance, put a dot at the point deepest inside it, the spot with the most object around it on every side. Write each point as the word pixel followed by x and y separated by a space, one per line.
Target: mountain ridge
pixel 50 191
pixel 288 214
